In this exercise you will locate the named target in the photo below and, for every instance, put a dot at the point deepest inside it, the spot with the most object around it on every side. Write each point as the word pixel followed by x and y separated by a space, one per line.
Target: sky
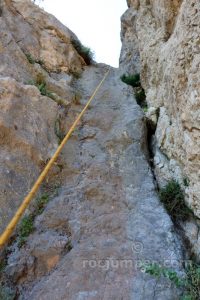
pixel 95 22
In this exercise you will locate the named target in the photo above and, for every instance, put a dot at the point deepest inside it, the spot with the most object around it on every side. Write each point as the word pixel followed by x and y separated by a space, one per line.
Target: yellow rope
pixel 15 220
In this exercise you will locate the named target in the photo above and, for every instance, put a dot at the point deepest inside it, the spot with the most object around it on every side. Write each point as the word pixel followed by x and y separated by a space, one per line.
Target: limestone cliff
pixel 163 37
pixel 90 237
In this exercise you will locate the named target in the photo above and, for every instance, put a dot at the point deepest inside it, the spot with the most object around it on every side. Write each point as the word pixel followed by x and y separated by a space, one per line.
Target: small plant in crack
pixel 76 74
pixel 40 204
pixel 145 109
pixel 189 283
pixel 69 246
pixel 26 227
pixel 58 130
pixel 30 58
pixel 172 196
pixel 2 265
pixel 41 84
pixel 77 99
pixel 133 80
pixel 85 52
pixel 158 271
pixel 186 181
pixel 33 61
pixel 141 97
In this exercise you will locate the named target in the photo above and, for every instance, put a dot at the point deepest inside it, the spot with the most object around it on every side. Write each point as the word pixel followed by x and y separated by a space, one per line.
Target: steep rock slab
pixel 108 209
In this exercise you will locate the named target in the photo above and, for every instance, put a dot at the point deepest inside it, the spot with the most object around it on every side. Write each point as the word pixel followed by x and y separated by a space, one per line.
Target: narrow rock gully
pixel 107 220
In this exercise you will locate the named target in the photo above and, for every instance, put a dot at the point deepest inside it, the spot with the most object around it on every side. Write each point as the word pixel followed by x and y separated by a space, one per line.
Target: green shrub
pixel 172 196
pixel 133 80
pixel 158 271
pixel 190 283
pixel 25 229
pixel 85 52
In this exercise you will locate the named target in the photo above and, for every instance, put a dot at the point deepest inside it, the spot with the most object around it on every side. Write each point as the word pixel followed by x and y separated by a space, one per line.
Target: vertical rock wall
pixel 165 35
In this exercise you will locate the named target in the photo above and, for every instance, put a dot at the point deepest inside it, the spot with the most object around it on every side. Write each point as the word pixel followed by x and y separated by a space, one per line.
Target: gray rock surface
pixel 92 238
pixel 108 208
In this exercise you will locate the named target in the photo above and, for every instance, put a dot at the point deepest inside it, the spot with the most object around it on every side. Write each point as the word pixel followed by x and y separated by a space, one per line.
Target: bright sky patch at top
pixel 95 22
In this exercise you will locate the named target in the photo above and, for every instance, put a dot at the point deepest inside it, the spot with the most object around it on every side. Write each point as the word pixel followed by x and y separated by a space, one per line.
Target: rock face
pixel 106 220
pixel 165 34
pixel 34 47
pixel 27 140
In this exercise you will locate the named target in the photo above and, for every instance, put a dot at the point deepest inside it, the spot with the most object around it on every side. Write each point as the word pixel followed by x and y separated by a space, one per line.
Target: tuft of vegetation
pixel 25 229
pixel 69 246
pixel 6 293
pixel 40 204
pixel 77 99
pixel 33 61
pixel 158 271
pixel 42 87
pixel 76 74
pixel 141 97
pixel 133 80
pixel 190 283
pixel 26 226
pixel 30 58
pixel 186 182
pixel 172 196
pixel 40 83
pixel 85 52
pixel 2 265
pixel 58 130
pixel 145 109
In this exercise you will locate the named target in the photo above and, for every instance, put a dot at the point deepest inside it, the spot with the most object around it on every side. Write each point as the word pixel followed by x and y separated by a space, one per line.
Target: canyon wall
pixel 90 237
pixel 161 40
